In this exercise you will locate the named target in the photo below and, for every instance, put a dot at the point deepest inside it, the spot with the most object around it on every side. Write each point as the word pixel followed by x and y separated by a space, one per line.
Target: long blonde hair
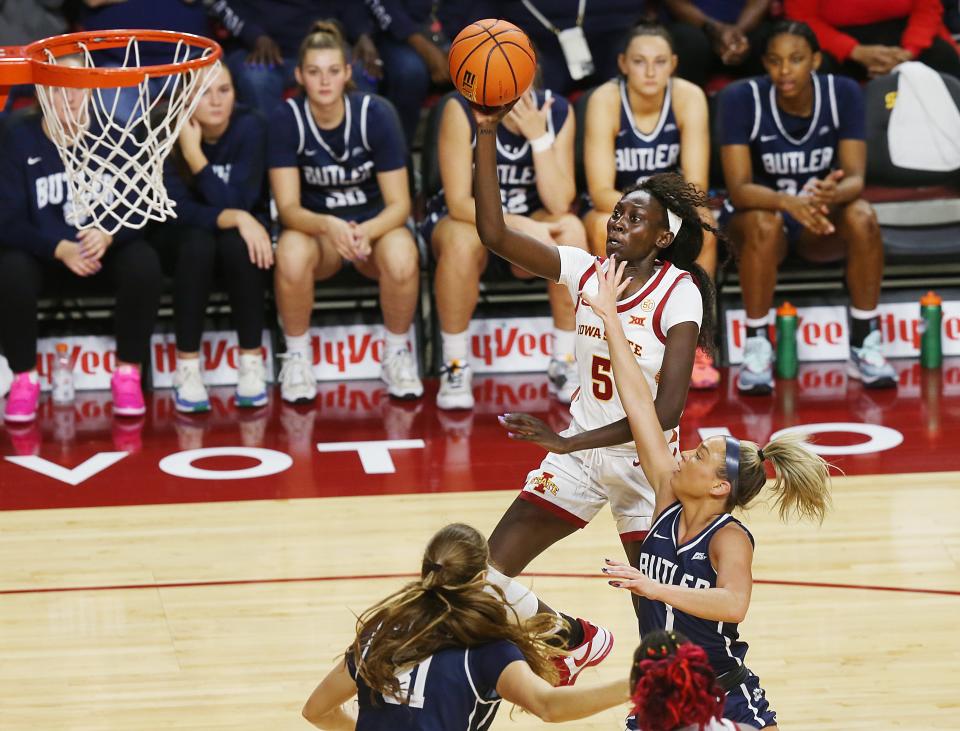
pixel 451 605
pixel 801 483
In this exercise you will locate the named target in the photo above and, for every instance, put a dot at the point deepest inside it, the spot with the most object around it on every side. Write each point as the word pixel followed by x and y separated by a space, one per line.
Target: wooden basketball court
pixel 142 599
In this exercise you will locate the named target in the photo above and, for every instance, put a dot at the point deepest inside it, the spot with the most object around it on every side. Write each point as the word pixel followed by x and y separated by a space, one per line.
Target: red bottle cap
pixel 931 299
pixel 786 310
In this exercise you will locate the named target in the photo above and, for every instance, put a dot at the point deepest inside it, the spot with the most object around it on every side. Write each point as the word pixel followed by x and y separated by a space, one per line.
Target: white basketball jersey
pixel 597 403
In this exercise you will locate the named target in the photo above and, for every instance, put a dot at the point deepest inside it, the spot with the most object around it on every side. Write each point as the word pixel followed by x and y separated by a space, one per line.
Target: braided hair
pixel 685 200
pixel 673 683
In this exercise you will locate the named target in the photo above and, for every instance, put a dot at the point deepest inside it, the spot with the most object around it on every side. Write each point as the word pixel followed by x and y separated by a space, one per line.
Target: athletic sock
pixel 455 346
pixel 394 342
pixel 573 633
pixel 297 343
pixel 758 327
pixel 862 323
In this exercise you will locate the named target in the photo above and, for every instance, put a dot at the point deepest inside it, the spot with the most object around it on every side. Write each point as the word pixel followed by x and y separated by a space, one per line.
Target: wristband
pixel 544 142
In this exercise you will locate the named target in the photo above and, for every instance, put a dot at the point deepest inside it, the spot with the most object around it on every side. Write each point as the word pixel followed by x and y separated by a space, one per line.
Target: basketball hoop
pixel 114 165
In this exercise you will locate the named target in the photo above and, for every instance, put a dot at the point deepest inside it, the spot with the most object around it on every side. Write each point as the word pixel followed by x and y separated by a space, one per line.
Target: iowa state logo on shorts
pixel 545 483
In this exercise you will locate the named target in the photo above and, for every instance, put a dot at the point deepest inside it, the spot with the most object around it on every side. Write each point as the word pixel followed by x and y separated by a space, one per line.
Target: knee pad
pixel 518 596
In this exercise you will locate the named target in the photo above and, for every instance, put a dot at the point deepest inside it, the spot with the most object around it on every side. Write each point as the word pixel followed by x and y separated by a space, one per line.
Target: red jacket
pixel 924 21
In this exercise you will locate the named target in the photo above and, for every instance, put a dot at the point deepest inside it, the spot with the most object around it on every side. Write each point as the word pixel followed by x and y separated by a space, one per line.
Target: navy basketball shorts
pixel 747 704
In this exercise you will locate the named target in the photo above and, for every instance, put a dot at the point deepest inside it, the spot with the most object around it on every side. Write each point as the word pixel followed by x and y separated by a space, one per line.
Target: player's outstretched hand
pixel 611 285
pixel 624 576
pixel 526 428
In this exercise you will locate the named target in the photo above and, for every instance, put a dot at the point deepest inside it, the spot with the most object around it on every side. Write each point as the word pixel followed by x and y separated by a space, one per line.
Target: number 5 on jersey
pixel 602 377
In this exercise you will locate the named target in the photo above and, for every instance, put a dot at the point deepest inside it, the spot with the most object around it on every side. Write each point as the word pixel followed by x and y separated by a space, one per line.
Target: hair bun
pixel 327 26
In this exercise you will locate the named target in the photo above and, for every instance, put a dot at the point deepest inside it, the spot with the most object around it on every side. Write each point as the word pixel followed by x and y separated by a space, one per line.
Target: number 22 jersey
pixel 338 167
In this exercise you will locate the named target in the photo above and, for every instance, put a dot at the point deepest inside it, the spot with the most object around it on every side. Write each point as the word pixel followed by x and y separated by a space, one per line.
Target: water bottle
pixel 931 315
pixel 62 376
pixel 787 341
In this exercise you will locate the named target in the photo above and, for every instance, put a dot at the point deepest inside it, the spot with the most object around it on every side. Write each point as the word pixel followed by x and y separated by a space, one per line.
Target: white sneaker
pixel 251 382
pixel 190 393
pixel 298 385
pixel 6 377
pixel 563 379
pixel 399 372
pixel 596 645
pixel 456 386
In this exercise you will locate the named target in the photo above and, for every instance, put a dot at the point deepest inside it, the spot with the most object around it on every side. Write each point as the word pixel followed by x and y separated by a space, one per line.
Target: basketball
pixel 492 62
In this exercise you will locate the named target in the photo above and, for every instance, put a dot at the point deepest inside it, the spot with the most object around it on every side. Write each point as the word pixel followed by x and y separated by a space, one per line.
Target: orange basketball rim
pixel 36 63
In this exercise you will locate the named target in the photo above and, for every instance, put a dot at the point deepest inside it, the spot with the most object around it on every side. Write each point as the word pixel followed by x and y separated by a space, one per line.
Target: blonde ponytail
pixel 801 484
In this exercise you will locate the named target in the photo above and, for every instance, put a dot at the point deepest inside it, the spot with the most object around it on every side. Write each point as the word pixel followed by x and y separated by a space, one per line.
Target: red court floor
pixel 82 456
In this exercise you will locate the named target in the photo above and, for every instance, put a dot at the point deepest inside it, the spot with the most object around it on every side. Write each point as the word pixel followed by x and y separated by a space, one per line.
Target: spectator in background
pixel 535 164
pixel 24 21
pixel 642 124
pixel 338 171
pixel 604 24
pixel 184 16
pixel 45 245
pixel 717 36
pixel 794 158
pixel 216 175
pixel 272 32
pixel 867 38
pixel 413 41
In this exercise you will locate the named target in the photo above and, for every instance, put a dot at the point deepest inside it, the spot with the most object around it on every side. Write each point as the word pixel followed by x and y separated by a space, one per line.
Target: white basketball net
pixel 114 165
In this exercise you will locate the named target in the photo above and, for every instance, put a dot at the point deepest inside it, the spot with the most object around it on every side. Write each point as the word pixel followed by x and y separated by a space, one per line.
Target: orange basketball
pixel 492 62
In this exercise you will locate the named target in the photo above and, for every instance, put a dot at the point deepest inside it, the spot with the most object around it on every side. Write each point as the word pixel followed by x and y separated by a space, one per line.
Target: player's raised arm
pixel 655 456
pixel 518 248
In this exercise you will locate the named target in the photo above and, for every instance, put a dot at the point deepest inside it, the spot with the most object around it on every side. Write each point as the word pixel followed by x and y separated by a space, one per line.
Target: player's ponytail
pixel 324 34
pixel 686 200
pixel 673 684
pixel 450 605
pixel 801 477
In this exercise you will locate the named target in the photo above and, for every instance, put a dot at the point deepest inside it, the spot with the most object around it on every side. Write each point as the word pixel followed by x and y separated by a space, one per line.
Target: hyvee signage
pixel 822 332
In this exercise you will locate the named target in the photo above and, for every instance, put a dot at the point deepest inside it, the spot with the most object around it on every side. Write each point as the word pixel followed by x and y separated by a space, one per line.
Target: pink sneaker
pixel 596 645
pixel 23 398
pixel 704 374
pixel 127 393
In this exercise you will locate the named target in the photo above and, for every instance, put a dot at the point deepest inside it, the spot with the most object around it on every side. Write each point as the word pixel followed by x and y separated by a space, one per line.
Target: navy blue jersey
pixel 338 167
pixel 518 179
pixel 515 168
pixel 639 155
pixel 36 205
pixel 452 690
pixel 788 151
pixel 234 177
pixel 665 560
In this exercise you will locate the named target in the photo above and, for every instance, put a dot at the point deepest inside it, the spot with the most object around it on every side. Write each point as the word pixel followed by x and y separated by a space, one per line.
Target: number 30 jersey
pixel 338 167
pixel 668 298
